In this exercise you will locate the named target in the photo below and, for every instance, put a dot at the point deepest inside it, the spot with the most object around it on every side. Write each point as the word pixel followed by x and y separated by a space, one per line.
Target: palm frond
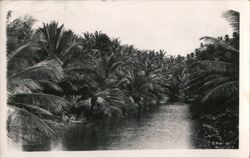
pixel 48 36
pixel 25 123
pixel 67 51
pixel 52 103
pixel 228 89
pixel 19 64
pixel 234 19
pixel 214 83
pixel 22 86
pixel 36 110
pixel 114 97
pixel 217 66
pixel 46 70
pixel 50 85
pixel 115 65
pixel 20 49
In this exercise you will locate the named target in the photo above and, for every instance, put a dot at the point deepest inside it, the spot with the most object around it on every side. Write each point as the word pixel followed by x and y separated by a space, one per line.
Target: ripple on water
pixel 166 128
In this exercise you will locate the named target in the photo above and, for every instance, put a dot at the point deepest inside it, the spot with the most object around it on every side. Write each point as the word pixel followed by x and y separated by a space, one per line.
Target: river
pixel 167 127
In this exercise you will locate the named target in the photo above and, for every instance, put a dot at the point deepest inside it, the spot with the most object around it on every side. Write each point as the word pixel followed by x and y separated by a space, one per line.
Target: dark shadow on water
pixel 143 131
pixel 99 134
pixel 165 127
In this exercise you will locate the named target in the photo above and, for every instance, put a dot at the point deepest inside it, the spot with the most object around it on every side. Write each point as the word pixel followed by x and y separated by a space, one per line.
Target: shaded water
pixel 168 127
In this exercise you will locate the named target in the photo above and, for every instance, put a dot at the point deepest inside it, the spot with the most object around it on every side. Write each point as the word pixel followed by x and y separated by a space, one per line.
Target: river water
pixel 167 127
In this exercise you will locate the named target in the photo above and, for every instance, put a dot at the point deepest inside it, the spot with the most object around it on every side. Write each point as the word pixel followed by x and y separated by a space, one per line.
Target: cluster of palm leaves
pixel 33 70
pixel 214 80
pixel 55 75
pixel 214 73
pixel 176 77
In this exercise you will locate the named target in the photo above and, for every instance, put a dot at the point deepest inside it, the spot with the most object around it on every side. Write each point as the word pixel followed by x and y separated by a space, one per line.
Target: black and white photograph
pixel 91 76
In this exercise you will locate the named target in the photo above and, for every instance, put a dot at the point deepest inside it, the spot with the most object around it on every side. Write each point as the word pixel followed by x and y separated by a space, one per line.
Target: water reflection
pixel 168 127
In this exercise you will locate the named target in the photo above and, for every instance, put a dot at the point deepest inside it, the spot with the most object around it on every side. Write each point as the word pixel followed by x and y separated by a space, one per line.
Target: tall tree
pixel 28 105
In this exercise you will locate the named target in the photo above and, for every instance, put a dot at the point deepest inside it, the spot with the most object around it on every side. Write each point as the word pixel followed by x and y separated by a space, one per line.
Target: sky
pixel 173 26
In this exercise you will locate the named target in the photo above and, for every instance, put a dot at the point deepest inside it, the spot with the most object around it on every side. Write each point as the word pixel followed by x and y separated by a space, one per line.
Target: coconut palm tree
pixel 215 81
pixel 30 108
pixel 218 79
pixel 28 102
pixel 56 41
pixel 142 82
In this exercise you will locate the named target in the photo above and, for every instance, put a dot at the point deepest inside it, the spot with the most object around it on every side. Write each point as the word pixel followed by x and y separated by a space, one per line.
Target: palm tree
pixel 90 73
pixel 30 108
pixel 97 40
pixel 173 73
pixel 218 79
pixel 28 102
pixel 216 82
pixel 143 80
pixel 55 41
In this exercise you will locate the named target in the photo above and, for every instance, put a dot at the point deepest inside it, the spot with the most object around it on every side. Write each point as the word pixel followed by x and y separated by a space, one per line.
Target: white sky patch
pixel 174 26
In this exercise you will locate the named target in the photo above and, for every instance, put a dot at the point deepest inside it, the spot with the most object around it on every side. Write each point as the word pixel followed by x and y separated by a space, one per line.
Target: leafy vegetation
pixel 56 76
pixel 214 83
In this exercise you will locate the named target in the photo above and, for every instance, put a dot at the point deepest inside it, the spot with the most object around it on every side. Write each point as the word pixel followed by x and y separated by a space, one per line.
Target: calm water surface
pixel 168 127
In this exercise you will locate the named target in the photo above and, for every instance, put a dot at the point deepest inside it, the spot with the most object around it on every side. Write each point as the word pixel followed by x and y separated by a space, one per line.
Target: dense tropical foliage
pixel 56 77
pixel 214 83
